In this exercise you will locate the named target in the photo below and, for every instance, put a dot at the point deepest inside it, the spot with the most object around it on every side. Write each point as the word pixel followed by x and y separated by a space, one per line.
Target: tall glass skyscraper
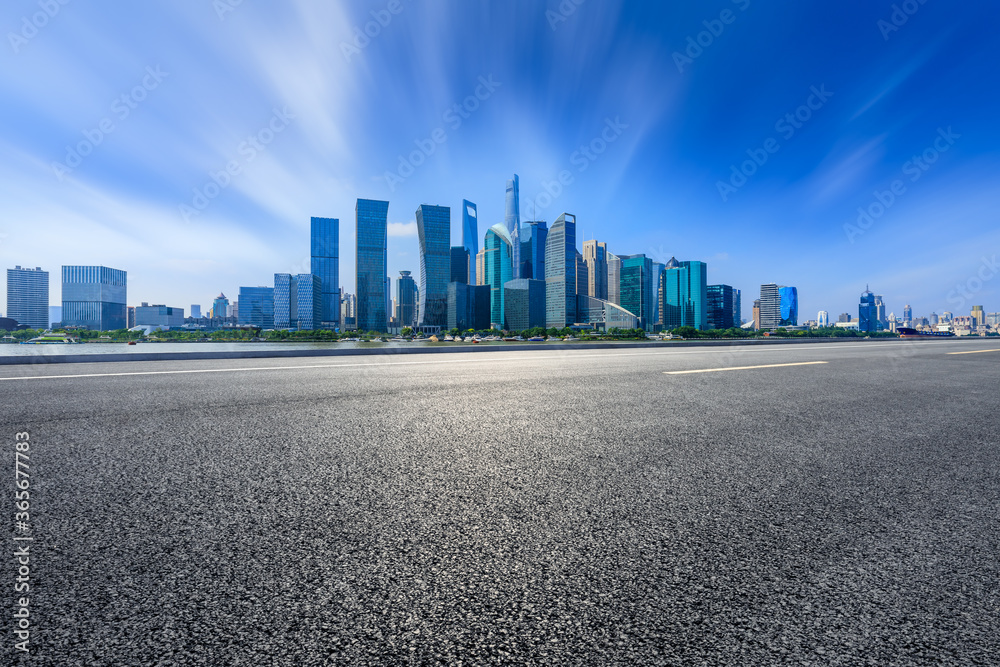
pixel 325 250
pixel 637 293
pixel 370 218
pixel 498 266
pixel 595 256
pixel 560 273
pixel 723 307
pixel 789 306
pixel 770 306
pixel 867 313
pixel 434 234
pixel 309 301
pixel 533 237
pixel 286 301
pixel 94 297
pixel 461 265
pixel 406 299
pixel 28 297
pixel 256 307
pixel 220 306
pixel 614 278
pixel 685 295
pixel 470 235
pixel 512 219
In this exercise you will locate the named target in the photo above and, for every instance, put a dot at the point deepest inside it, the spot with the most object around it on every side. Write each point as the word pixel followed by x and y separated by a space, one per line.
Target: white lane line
pixel 974 351
pixel 743 368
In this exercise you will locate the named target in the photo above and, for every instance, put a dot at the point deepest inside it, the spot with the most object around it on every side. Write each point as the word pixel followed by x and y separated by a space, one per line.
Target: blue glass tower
pixel 637 288
pixel 723 307
pixel 325 251
pixel 560 273
pixel 28 297
pixel 685 295
pixel 498 267
pixel 434 234
pixel 533 236
pixel 789 306
pixel 256 307
pixel 308 301
pixel 512 219
pixel 370 266
pixel 94 297
pixel 285 301
pixel 470 235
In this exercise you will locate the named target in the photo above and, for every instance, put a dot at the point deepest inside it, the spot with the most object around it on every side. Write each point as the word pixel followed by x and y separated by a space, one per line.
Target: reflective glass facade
pixel 460 268
pixel 524 304
pixel 789 297
pixel 370 266
pixel 406 300
pixel 498 268
pixel 512 221
pixel 560 273
pixel 867 313
pixel 614 278
pixel 94 297
pixel 309 302
pixel 637 290
pixel 434 235
pixel 256 307
pixel 723 306
pixel 325 250
pixel 285 301
pixel 685 295
pixel 28 297
pixel 533 236
pixel 770 307
pixel 595 256
pixel 604 314
pixel 470 235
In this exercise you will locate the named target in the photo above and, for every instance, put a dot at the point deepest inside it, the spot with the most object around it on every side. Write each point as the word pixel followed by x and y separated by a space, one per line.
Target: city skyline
pixel 172 133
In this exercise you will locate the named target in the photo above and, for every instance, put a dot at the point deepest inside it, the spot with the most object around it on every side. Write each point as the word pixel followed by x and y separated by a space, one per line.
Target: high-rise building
pixel 934 319
pixel 595 256
pixel 880 315
pixel 94 297
pixel 196 311
pixel 907 313
pixel 325 251
pixel 468 306
pixel 406 300
pixel 614 278
pixel 470 236
pixel 658 294
pixel 498 269
pixel 721 307
pixel 524 304
pixel 756 314
pixel 310 307
pixel 978 316
pixel 256 307
pixel 533 236
pixel 512 220
pixel 560 273
pixel 434 234
pixel 638 294
pixel 789 306
pixel 129 316
pixel 220 306
pixel 582 279
pixel 867 312
pixel 286 301
pixel 946 316
pixel 823 318
pixel 460 269
pixel 685 295
pixel 370 265
pixel 28 297
pixel 737 307
pixel 779 306
pixel 481 267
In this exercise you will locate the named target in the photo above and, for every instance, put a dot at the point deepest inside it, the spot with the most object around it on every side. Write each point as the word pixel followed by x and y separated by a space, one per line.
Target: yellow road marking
pixel 973 351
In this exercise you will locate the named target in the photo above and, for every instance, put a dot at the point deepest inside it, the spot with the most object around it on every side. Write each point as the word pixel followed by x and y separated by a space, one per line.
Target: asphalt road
pixel 540 507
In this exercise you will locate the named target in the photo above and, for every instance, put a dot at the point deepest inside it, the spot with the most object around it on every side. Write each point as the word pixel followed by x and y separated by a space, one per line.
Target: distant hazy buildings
pixel 28 297
pixel 370 265
pixel 325 264
pixel 470 235
pixel 512 220
pixel 196 311
pixel 823 318
pixel 497 269
pixel 55 315
pixel 434 235
pixel 723 307
pixel 220 306
pixel 560 273
pixel 256 307
pixel 94 297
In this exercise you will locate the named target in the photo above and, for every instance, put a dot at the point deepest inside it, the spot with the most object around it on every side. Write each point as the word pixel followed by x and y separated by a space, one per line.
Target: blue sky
pixel 642 109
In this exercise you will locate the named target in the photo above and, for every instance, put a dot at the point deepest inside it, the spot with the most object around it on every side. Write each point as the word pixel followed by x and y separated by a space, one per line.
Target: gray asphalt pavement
pixel 539 507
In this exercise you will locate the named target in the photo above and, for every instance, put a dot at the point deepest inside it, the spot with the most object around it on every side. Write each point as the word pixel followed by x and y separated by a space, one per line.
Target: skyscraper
pixel 658 269
pixel 867 312
pixel 770 306
pixel 286 301
pixel 595 256
pixel 460 269
pixel 721 307
pixel 789 306
pixel 512 219
pixel 614 278
pixel 220 306
pixel 406 299
pixel 907 314
pixel 637 290
pixel 756 314
pixel 370 266
pixel 498 269
pixel 533 236
pixel 28 297
pixel 880 314
pixel 325 251
pixel 470 235
pixel 196 311
pixel 481 267
pixel 685 296
pixel 434 234
pixel 309 301
pixel 524 304
pixel 978 316
pixel 256 307
pixel 582 281
pixel 94 297
pixel 823 318
pixel 560 273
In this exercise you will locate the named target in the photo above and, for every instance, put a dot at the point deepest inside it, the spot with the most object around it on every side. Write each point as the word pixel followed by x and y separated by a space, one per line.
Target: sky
pixel 829 146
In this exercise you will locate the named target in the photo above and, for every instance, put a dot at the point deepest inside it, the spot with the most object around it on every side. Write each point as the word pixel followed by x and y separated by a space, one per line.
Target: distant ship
pixel 906 332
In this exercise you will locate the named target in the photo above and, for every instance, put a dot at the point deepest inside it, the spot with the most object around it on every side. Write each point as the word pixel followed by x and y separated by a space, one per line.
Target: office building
pixel 256 307
pixel 756 314
pixel 158 315
pixel 434 235
pixel 406 300
pixel 722 307
pixel 823 319
pixel 614 278
pixel 129 317
pixel 94 297
pixel 498 269
pixel 512 221
pixel 685 295
pixel 880 314
pixel 196 311
pixel 28 297
pixel 595 256
pixel 868 313
pixel 468 307
pixel 779 306
pixel 370 264
pixel 533 236
pixel 310 307
pixel 978 316
pixel 789 306
pixel 460 269
pixel 560 273
pixel 907 314
pixel 481 267
pixel 582 279
pixel 325 263
pixel 737 307
pixel 470 236
pixel 658 269
pixel 220 306
pixel 602 314
pixel 285 301
pixel 637 289
pixel 524 304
